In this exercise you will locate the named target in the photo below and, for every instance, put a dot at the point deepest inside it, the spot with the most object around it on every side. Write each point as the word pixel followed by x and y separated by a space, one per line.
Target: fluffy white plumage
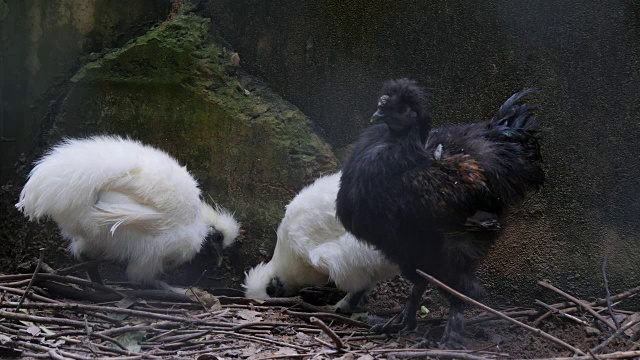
pixel 118 199
pixel 313 248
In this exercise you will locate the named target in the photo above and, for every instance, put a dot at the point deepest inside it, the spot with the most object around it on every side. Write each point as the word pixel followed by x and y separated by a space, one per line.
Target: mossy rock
pixel 175 88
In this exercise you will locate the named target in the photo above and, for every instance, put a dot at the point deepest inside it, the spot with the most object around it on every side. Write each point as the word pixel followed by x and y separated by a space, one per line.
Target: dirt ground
pixel 69 317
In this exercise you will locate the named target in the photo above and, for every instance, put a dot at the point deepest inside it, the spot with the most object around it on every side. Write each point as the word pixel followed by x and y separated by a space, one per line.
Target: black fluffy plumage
pixel 418 194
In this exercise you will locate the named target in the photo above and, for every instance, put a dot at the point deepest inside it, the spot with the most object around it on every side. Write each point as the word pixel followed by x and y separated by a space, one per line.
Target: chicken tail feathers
pixel 515 121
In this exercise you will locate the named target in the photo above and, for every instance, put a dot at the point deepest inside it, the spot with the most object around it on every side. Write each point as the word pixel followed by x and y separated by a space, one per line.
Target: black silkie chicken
pixel 412 192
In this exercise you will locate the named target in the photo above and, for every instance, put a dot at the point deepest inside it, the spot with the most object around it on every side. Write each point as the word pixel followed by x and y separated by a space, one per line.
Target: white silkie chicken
pixel 120 200
pixel 314 248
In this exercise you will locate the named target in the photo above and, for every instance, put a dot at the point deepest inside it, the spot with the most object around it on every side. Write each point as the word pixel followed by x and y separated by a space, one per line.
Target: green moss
pixel 174 88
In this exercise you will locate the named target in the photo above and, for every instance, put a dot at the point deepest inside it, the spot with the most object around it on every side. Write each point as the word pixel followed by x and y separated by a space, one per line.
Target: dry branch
pixel 33 278
pixel 438 354
pixel 332 335
pixel 578 302
pixel 468 300
pixel 615 355
pixel 608 293
pixel 556 311
pixel 116 310
pixel 11 290
pixel 41 319
pixel 325 315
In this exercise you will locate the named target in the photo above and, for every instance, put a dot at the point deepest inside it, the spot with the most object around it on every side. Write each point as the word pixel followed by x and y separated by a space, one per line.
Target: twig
pixel 55 356
pixel 292 301
pixel 413 350
pixel 117 310
pixel 158 337
pixel 44 267
pixel 617 333
pixel 198 297
pixel 608 293
pixel 101 297
pixel 556 311
pixel 126 329
pixel 600 302
pixel 78 281
pixel 580 303
pixel 615 355
pixel 327 330
pixel 256 338
pixel 33 278
pixel 468 300
pixel 81 266
pixel 438 354
pixel 45 349
pixel 269 324
pixel 310 355
pixel 40 319
pixel 488 317
pixel 110 349
pixel 326 315
pixel 31 296
pixel 182 337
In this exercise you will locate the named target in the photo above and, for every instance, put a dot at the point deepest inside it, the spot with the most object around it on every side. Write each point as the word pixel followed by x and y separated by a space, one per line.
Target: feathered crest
pixel 408 91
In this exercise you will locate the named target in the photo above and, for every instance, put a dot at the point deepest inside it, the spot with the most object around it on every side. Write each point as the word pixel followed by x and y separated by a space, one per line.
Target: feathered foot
pixel 407 316
pixel 350 303
pixel 452 337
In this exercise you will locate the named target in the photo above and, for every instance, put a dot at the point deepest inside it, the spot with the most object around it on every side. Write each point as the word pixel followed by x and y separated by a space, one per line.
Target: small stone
pixel 591 331
pixel 235 59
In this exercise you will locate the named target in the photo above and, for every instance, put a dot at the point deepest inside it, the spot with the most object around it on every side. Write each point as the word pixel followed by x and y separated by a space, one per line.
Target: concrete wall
pixel 330 57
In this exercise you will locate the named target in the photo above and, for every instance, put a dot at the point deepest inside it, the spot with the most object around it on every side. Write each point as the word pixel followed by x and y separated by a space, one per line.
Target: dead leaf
pixel 131 340
pixel 347 356
pixel 632 318
pixel 34 330
pixel 365 357
pixel 249 351
pixel 209 357
pixel 4 339
pixel 362 316
pixel 126 303
pixel 286 351
pixel 248 316
pixel 209 301
pixel 46 330
pixel 232 353
pixel 368 346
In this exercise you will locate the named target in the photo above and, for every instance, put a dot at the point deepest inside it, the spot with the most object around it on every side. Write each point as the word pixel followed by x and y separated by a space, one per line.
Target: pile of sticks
pixel 53 314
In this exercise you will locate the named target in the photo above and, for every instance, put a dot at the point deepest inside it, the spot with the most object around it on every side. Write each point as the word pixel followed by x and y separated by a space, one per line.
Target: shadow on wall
pixel 330 58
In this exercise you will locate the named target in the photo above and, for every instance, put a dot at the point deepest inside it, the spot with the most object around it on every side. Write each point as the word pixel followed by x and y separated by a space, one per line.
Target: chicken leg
pixel 408 321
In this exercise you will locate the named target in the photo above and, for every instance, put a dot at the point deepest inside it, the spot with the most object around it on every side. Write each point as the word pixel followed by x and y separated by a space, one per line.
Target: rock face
pixel 330 58
pixel 176 88
pixel 41 42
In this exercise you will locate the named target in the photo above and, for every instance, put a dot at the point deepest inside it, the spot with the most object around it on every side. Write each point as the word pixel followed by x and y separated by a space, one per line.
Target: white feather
pixel 313 248
pixel 120 200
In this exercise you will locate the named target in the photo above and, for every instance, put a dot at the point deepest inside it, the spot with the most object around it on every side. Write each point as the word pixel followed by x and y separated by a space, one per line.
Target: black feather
pixel 416 206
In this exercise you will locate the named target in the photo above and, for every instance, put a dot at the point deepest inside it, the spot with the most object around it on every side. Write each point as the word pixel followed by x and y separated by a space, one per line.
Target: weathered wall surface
pixel 330 58
pixel 41 42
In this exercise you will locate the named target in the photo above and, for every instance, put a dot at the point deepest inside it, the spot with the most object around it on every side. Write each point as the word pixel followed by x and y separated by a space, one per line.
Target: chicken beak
pixel 376 116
